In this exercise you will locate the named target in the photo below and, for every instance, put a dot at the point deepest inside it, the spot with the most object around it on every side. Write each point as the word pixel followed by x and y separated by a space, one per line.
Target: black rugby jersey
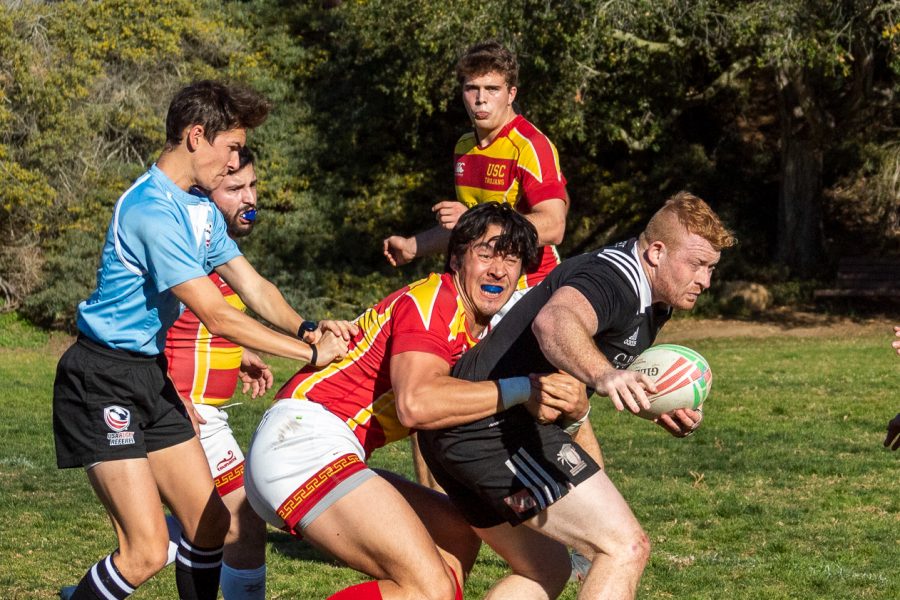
pixel 614 283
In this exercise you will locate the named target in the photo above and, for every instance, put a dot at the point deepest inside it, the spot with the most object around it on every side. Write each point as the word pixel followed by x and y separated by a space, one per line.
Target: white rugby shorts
pixel 301 460
pixel 226 460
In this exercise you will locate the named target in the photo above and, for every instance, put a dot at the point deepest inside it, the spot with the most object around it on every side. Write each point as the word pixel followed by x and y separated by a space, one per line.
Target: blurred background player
pixel 591 318
pixel 115 411
pixel 504 159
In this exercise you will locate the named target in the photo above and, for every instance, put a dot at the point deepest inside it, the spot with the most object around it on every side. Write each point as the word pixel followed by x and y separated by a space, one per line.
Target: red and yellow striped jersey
pixel 203 367
pixel 425 316
pixel 520 167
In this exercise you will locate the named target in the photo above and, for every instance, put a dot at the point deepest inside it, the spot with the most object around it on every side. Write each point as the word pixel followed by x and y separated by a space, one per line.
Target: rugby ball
pixel 682 377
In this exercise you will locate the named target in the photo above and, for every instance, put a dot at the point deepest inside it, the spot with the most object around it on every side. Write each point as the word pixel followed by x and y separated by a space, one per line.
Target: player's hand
pixel 626 388
pixel 448 212
pixel 330 348
pixel 542 413
pixel 561 392
pixel 343 329
pixel 892 440
pixel 896 343
pixel 193 415
pixel 399 250
pixel 255 375
pixel 681 422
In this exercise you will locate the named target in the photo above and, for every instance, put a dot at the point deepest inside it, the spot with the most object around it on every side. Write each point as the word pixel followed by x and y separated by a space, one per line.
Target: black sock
pixel 103 581
pixel 197 571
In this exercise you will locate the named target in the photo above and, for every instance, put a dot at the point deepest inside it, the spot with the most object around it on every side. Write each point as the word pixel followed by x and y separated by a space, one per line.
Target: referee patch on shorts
pixel 541 489
pixel 569 458
pixel 119 420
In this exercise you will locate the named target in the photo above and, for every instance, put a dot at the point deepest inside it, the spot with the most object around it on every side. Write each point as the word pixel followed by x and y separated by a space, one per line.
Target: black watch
pixel 306 327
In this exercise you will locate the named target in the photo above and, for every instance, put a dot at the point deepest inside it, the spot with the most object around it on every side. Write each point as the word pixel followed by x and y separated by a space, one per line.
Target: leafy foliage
pixel 781 114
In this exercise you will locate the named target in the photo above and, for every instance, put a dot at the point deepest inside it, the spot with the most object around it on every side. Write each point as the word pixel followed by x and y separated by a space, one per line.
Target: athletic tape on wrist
pixel 572 427
pixel 513 391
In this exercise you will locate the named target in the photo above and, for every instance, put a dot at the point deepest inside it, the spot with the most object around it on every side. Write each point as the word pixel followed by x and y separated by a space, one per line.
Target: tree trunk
pixel 799 242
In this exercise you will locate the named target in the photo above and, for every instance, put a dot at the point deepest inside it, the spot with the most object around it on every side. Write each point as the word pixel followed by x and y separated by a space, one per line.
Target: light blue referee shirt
pixel 159 236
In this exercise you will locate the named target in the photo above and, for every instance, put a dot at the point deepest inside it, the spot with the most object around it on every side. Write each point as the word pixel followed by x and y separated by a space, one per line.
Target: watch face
pixel 308 326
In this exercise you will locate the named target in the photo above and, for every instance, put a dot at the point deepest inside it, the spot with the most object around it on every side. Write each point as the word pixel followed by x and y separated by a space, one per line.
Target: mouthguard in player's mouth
pixel 492 289
pixel 249 215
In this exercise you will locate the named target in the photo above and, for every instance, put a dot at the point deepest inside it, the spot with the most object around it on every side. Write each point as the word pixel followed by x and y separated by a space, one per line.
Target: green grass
pixel 786 492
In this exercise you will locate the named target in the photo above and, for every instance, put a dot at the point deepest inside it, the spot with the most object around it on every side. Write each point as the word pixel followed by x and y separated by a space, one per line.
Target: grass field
pixel 786 492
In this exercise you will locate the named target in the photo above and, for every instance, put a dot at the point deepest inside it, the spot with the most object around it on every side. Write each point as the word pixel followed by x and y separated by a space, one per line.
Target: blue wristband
pixel 513 391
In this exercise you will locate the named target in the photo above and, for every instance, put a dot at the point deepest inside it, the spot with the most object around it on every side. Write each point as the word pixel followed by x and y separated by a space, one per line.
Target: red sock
pixel 369 591
pixel 363 591
pixel 459 595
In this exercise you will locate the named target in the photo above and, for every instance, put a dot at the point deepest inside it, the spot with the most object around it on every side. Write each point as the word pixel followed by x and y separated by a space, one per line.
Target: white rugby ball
pixel 682 377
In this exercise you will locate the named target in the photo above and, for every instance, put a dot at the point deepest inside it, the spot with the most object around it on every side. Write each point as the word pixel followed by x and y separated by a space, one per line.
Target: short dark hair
pixel 518 237
pixel 245 157
pixel 488 57
pixel 217 107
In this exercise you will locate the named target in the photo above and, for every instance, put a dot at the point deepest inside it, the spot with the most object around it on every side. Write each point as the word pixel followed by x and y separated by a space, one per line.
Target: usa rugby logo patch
pixel 117 418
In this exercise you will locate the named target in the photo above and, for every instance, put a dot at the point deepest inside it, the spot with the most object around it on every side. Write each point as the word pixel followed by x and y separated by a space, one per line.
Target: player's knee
pixel 444 589
pixel 247 529
pixel 246 518
pixel 140 562
pixel 437 588
pixel 213 525
pixel 634 549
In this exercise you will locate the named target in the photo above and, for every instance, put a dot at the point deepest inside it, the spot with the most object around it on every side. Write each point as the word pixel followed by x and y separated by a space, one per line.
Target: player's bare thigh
pixel 455 538
pixel 374 530
pixel 186 487
pixel 305 469
pixel 592 518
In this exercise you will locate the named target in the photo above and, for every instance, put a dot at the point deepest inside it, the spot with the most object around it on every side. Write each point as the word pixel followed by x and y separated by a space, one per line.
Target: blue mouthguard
pixel 492 289
pixel 250 215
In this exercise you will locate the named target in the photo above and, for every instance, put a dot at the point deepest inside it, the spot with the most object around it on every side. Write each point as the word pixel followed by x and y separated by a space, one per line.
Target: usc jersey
pixel 519 167
pixel 204 367
pixel 425 316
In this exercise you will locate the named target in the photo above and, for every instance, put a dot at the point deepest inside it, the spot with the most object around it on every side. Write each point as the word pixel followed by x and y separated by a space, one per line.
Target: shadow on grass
pixel 825 313
pixel 292 547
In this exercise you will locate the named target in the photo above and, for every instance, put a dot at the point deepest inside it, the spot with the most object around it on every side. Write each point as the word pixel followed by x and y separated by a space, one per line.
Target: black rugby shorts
pixel 505 468
pixel 111 404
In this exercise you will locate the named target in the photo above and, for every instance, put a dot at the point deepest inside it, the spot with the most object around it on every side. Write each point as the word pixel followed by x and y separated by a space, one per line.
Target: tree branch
pixel 630 38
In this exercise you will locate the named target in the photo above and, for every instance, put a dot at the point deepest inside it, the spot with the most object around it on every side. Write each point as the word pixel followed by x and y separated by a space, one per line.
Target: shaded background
pixel 783 115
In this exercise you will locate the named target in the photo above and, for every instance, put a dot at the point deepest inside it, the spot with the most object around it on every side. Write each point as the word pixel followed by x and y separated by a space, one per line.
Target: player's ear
pixel 655 253
pixel 512 94
pixel 454 263
pixel 194 135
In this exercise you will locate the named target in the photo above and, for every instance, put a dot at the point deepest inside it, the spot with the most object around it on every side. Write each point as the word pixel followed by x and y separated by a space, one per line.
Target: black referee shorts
pixel 505 468
pixel 111 404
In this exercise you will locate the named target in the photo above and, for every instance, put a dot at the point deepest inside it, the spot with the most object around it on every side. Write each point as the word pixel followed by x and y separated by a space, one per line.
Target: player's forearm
pixel 240 329
pixel 267 301
pixel 432 241
pixel 447 402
